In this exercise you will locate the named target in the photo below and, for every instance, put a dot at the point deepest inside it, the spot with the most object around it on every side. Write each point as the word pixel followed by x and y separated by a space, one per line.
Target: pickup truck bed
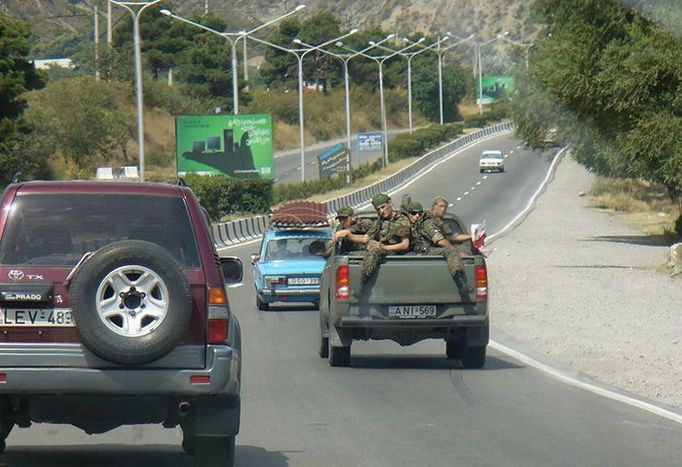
pixel 410 298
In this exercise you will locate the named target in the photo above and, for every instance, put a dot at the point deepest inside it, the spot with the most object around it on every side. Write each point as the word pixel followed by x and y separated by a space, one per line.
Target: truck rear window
pixel 57 229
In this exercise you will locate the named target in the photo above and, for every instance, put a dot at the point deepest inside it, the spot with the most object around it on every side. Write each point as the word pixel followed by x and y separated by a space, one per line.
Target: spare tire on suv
pixel 131 302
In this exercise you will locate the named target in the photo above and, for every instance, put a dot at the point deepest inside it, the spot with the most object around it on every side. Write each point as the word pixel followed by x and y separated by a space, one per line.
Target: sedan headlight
pixel 271 281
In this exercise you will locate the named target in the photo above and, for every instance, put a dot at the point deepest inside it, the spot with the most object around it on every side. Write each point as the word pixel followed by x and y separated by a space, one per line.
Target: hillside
pixel 51 19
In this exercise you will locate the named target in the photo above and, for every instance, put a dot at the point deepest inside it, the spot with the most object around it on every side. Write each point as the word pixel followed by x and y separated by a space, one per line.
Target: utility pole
pixel 109 33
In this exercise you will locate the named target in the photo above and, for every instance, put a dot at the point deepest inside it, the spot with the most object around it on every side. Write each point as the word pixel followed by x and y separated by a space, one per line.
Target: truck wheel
pixel 474 357
pixel 454 348
pixel 131 302
pixel 339 356
pixel 214 451
pixel 262 306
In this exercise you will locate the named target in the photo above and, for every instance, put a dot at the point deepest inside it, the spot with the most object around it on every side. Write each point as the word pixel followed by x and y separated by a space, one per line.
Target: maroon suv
pixel 113 311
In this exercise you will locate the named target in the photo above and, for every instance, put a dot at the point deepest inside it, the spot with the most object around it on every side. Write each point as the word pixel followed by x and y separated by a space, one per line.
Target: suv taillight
pixel 218 316
pixel 481 283
pixel 342 283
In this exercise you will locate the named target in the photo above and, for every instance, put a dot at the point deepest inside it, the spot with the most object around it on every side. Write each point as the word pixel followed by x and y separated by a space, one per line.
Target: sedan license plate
pixel 412 311
pixel 57 317
pixel 303 281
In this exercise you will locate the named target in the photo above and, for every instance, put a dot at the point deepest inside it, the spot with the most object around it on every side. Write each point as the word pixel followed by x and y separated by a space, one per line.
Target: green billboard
pixel 496 88
pixel 239 146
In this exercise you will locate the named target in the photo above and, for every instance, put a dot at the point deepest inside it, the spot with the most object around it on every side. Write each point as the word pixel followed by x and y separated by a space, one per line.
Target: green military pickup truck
pixel 410 298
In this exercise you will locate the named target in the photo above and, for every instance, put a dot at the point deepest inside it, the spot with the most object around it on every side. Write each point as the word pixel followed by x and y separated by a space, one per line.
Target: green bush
pixel 678 225
pixel 479 121
pixel 222 195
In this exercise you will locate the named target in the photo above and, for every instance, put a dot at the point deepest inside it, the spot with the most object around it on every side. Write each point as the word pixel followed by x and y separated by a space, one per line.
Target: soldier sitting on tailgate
pixel 437 213
pixel 390 234
pixel 428 238
pixel 348 221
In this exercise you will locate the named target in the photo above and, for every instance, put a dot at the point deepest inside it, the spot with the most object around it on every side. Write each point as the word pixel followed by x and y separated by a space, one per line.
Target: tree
pixel 17 75
pixel 425 87
pixel 611 80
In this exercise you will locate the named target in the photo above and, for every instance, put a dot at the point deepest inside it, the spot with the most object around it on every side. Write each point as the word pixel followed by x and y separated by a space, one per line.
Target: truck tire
pixel 324 345
pixel 131 302
pixel 214 451
pixel 339 356
pixel 474 357
pixel 455 348
pixel 262 306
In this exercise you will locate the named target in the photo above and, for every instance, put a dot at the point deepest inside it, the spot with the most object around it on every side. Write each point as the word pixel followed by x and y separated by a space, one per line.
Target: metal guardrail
pixel 250 228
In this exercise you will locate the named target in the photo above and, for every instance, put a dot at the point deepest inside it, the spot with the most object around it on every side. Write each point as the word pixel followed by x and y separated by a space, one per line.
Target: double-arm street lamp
pixel 344 60
pixel 233 38
pixel 300 54
pixel 440 51
pixel 300 91
pixel 526 45
pixel 480 72
pixel 380 60
pixel 409 57
pixel 131 8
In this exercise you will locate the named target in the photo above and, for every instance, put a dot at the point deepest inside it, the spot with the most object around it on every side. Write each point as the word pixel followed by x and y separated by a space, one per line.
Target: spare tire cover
pixel 131 302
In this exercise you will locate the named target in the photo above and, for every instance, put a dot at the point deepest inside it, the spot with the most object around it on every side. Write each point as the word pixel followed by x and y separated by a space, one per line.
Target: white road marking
pixel 472 188
pixel 459 199
pixel 594 389
pixel 485 177
pixel 478 183
pixel 466 193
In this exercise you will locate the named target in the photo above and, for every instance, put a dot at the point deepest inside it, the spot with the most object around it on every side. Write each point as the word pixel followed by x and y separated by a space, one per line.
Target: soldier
pixel 390 234
pixel 437 213
pixel 348 221
pixel 428 238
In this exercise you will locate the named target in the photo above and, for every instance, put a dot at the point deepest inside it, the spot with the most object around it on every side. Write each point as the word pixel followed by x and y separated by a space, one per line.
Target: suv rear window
pixel 58 229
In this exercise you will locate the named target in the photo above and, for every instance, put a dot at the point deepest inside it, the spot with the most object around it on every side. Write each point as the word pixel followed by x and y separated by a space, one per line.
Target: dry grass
pixel 644 205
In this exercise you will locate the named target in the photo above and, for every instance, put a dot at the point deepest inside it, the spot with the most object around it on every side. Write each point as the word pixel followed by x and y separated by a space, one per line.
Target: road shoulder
pixel 578 286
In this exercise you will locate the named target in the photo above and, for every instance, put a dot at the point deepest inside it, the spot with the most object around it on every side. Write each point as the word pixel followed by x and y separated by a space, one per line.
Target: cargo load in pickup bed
pixel 410 298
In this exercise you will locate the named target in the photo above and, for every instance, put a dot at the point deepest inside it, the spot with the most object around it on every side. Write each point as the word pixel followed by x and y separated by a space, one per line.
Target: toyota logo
pixel 16 275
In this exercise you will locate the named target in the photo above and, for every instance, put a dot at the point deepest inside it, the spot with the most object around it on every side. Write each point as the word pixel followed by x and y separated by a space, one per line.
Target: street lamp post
pixel 300 54
pixel 232 38
pixel 410 56
pixel 480 72
pixel 380 60
pixel 526 45
pixel 440 53
pixel 344 60
pixel 129 6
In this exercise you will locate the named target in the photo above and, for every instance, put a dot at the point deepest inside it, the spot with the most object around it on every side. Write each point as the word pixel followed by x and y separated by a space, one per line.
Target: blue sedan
pixel 289 265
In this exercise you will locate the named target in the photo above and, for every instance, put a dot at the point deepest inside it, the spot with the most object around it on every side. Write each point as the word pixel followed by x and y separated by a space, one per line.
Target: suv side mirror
pixel 254 257
pixel 232 268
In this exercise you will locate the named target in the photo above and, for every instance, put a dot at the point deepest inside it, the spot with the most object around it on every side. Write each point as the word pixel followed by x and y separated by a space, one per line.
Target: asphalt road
pixel 394 406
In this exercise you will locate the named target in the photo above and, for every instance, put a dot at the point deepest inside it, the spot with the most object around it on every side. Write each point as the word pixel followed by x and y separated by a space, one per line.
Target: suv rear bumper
pixel 222 368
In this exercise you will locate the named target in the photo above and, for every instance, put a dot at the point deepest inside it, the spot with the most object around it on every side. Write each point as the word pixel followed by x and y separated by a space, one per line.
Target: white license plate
pixel 57 317
pixel 411 311
pixel 303 281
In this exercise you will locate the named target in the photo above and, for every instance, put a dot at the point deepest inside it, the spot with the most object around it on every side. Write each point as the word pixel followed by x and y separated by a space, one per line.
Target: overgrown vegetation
pixel 608 77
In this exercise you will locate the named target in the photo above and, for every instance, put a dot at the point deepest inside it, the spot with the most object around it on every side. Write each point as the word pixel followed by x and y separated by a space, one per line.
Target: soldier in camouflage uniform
pixel 437 212
pixel 348 221
pixel 428 238
pixel 390 234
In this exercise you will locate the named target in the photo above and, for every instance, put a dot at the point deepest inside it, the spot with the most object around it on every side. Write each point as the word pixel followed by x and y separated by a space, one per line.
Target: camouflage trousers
pixel 370 261
pixel 452 255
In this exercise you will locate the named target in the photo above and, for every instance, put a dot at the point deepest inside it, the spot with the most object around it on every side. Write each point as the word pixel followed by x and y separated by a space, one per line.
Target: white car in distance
pixel 491 159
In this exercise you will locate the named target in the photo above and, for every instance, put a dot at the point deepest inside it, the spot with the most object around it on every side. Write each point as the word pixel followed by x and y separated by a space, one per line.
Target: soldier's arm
pixel 460 238
pixel 438 237
pixel 404 245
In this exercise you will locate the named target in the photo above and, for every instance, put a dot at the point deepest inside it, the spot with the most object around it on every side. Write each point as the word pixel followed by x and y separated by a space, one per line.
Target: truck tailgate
pixel 425 281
